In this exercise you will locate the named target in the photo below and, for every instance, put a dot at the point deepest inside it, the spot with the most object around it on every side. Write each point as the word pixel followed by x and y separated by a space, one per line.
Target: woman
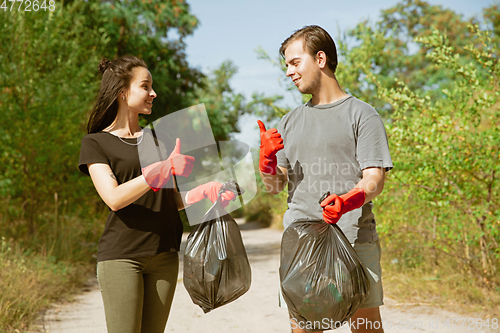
pixel 137 260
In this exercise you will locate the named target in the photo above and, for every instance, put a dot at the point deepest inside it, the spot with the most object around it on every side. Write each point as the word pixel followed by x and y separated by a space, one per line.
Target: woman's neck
pixel 125 125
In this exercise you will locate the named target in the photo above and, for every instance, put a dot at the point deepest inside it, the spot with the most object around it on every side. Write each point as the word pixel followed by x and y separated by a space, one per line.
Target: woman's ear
pixel 122 95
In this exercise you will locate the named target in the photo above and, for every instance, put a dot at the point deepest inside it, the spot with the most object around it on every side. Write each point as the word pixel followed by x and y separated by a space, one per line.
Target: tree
pixel 444 186
pixel 223 105
pixel 49 78
pixel 154 30
pixel 399 54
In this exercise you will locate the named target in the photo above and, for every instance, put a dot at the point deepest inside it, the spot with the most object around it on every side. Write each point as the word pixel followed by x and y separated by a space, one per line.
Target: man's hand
pixel 335 206
pixel 270 143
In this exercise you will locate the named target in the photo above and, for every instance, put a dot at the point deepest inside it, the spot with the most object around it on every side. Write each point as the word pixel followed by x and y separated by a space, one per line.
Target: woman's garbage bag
pixel 322 278
pixel 216 267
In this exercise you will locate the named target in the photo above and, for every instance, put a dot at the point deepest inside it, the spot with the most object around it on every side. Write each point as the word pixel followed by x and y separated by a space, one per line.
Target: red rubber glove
pixel 182 165
pixel 270 143
pixel 158 174
pixel 335 206
pixel 210 191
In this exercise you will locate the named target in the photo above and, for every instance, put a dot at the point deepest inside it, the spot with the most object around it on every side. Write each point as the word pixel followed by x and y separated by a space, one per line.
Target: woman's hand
pixel 209 191
pixel 158 174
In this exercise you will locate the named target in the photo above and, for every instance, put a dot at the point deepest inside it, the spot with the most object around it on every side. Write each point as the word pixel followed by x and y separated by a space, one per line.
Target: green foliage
pixel 446 154
pixel 397 53
pixel 492 18
pixel 49 78
pixel 222 104
pixel 47 81
pixel 434 78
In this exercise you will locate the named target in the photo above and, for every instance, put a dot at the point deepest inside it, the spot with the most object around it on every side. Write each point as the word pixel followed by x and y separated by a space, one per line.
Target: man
pixel 334 143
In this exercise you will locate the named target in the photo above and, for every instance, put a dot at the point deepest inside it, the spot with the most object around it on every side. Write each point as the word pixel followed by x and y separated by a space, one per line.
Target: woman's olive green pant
pixel 137 293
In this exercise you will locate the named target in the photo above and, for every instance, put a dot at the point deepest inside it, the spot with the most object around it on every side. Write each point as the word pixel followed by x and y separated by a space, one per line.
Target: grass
pixel 445 288
pixel 51 265
pixel 30 282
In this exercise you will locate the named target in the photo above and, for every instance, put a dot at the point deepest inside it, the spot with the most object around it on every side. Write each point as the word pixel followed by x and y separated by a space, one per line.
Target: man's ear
pixel 321 59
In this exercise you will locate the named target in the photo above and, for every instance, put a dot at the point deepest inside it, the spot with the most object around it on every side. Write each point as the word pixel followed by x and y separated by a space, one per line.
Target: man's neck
pixel 329 92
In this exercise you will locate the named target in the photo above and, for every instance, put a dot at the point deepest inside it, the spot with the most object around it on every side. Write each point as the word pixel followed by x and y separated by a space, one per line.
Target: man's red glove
pixel 335 206
pixel 158 174
pixel 270 143
pixel 210 191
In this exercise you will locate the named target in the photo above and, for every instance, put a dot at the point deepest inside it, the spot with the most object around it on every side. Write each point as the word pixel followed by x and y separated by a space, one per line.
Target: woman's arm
pixel 114 195
pixel 208 190
pixel 178 197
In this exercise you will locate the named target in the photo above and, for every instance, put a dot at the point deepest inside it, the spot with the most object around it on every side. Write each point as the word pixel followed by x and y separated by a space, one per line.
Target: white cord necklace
pixel 130 144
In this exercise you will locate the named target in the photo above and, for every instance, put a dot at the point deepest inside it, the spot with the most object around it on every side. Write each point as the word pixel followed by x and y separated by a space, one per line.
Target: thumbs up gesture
pixel 270 143
pixel 158 174
pixel 182 165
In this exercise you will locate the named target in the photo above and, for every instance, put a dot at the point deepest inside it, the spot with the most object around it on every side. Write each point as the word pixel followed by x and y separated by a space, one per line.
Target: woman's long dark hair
pixel 116 77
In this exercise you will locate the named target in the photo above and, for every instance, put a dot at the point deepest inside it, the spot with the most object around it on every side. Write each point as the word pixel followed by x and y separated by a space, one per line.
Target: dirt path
pixel 256 311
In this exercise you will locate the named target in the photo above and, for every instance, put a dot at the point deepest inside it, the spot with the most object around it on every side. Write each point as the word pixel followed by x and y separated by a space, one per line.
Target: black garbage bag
pixel 322 278
pixel 216 267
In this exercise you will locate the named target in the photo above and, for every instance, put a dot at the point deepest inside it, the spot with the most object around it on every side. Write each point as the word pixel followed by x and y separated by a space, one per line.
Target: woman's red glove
pixel 158 174
pixel 335 206
pixel 210 191
pixel 270 143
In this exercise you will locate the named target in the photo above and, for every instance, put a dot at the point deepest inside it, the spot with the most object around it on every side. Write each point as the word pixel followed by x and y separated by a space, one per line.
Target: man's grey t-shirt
pixel 326 149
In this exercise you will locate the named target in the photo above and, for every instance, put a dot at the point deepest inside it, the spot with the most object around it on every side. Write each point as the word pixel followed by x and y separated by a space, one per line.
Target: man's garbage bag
pixel 322 278
pixel 216 267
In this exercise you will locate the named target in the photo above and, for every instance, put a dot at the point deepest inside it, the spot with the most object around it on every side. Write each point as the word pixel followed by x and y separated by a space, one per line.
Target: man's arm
pixel 273 176
pixel 368 188
pixel 275 183
pixel 372 182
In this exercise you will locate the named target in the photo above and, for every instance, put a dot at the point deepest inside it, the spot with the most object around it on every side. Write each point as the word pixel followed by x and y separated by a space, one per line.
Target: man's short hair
pixel 315 39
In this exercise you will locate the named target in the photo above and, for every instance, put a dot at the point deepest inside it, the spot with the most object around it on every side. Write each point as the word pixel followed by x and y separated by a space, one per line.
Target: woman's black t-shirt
pixel 148 226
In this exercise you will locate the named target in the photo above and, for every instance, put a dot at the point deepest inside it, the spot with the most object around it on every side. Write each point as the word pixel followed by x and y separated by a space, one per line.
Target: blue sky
pixel 234 29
